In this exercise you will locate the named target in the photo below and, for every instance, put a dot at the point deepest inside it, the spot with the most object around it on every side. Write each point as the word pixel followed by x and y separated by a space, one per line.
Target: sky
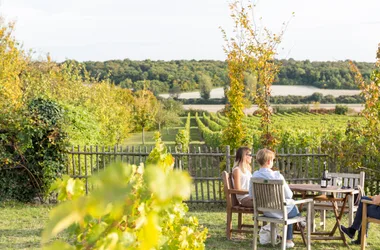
pixel 99 30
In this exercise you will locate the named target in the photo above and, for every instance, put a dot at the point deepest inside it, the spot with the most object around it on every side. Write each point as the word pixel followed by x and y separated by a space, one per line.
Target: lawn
pixel 21 226
pixel 168 137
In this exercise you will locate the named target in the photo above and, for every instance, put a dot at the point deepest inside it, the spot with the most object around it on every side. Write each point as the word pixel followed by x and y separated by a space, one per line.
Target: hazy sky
pixel 101 30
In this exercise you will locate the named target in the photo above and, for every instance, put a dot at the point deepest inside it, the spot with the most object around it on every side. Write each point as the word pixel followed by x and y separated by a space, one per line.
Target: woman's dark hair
pixel 240 153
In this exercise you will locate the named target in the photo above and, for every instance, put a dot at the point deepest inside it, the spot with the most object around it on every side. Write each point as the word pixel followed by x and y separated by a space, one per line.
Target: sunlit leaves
pixel 363 139
pixel 160 156
pixel 68 188
pixel 13 62
pixel 165 187
pixel 131 207
pixel 150 232
pixel 250 51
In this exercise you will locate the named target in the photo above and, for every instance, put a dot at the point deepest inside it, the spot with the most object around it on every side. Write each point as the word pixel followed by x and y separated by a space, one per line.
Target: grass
pixel 215 218
pixel 168 135
pixel 21 226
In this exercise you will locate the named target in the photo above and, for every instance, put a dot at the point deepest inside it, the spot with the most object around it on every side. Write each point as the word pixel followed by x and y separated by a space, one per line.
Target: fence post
pixel 228 168
pixel 180 157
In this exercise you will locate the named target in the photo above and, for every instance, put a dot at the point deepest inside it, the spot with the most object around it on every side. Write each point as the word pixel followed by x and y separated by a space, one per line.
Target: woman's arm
pixel 236 175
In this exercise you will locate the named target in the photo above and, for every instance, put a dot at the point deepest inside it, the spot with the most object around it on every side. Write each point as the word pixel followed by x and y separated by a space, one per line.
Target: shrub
pixel 192 112
pixel 133 207
pixel 341 109
pixel 32 151
pixel 182 138
pixel 281 109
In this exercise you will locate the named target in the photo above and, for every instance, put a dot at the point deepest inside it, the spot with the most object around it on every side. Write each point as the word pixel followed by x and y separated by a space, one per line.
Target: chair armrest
pixel 293 202
pixel 355 192
pixel 370 202
pixel 237 191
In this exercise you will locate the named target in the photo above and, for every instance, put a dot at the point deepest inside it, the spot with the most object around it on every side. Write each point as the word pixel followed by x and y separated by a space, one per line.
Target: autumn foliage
pixel 91 112
pixel 250 52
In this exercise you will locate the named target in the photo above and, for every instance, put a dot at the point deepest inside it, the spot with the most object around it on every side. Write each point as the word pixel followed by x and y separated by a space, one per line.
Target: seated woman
pixel 373 211
pixel 241 173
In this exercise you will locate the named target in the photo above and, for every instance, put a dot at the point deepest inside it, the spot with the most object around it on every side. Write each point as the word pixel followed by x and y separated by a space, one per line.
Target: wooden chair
pixel 365 220
pixel 233 206
pixel 269 196
pixel 351 180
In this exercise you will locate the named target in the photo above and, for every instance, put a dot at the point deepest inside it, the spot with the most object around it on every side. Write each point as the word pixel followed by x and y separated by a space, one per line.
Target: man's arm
pixel 288 191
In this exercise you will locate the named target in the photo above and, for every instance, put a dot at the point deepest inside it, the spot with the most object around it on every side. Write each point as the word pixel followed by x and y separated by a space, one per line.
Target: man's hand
pixel 376 199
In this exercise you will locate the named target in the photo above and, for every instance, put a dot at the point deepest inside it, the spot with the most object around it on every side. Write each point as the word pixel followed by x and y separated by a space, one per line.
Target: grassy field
pixel 21 226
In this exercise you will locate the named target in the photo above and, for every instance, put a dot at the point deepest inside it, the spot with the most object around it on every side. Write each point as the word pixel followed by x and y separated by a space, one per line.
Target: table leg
pixel 350 210
pixel 341 212
pixel 304 196
pixel 338 216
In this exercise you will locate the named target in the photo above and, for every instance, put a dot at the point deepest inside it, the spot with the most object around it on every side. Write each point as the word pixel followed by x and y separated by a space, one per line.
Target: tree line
pixel 188 75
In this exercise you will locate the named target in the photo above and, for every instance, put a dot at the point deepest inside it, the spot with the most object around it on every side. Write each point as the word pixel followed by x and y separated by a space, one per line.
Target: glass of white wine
pixel 339 182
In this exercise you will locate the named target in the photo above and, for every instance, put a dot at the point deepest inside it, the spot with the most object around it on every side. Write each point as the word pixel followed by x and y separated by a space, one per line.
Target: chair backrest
pixel 268 196
pixel 351 180
pixel 227 183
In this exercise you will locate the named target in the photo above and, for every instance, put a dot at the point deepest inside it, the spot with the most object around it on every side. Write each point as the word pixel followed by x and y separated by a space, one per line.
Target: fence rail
pixel 205 165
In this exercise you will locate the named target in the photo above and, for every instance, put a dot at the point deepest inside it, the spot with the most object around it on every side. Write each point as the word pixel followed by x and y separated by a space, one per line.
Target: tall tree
pixel 144 110
pixel 250 85
pixel 175 91
pixel 249 51
pixel 13 62
pixel 205 86
pixel 168 113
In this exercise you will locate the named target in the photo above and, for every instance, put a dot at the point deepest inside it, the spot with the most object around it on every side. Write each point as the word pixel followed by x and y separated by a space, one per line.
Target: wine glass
pixel 339 181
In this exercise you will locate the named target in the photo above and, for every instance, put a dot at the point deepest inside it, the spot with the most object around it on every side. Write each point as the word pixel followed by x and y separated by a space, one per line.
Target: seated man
pixel 373 211
pixel 265 159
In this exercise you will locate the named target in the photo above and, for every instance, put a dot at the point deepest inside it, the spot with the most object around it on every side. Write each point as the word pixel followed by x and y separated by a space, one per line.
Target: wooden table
pixel 332 197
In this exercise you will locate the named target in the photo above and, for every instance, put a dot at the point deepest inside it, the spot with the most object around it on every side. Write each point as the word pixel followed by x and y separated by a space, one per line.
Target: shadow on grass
pixel 211 207
pixel 25 245
pixel 20 232
pixel 23 235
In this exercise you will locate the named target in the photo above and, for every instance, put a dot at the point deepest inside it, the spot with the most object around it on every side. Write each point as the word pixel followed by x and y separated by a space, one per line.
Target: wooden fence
pixel 205 165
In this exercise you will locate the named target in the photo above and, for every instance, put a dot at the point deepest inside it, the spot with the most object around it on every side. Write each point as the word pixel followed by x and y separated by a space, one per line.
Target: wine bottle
pixel 324 179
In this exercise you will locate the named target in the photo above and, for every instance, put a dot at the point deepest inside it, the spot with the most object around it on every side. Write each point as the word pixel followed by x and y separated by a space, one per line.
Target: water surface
pixel 277 90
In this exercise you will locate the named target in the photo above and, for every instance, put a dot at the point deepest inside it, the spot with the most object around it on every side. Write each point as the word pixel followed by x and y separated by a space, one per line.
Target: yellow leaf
pixel 149 234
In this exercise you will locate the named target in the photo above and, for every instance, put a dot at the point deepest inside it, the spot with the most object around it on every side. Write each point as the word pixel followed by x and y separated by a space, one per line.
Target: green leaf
pixel 62 217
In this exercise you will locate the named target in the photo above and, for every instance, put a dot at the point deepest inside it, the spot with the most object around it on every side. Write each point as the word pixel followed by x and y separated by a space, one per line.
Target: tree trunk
pixel 143 136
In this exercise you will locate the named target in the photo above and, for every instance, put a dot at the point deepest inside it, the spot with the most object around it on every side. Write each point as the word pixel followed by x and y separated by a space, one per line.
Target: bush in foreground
pixel 132 207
